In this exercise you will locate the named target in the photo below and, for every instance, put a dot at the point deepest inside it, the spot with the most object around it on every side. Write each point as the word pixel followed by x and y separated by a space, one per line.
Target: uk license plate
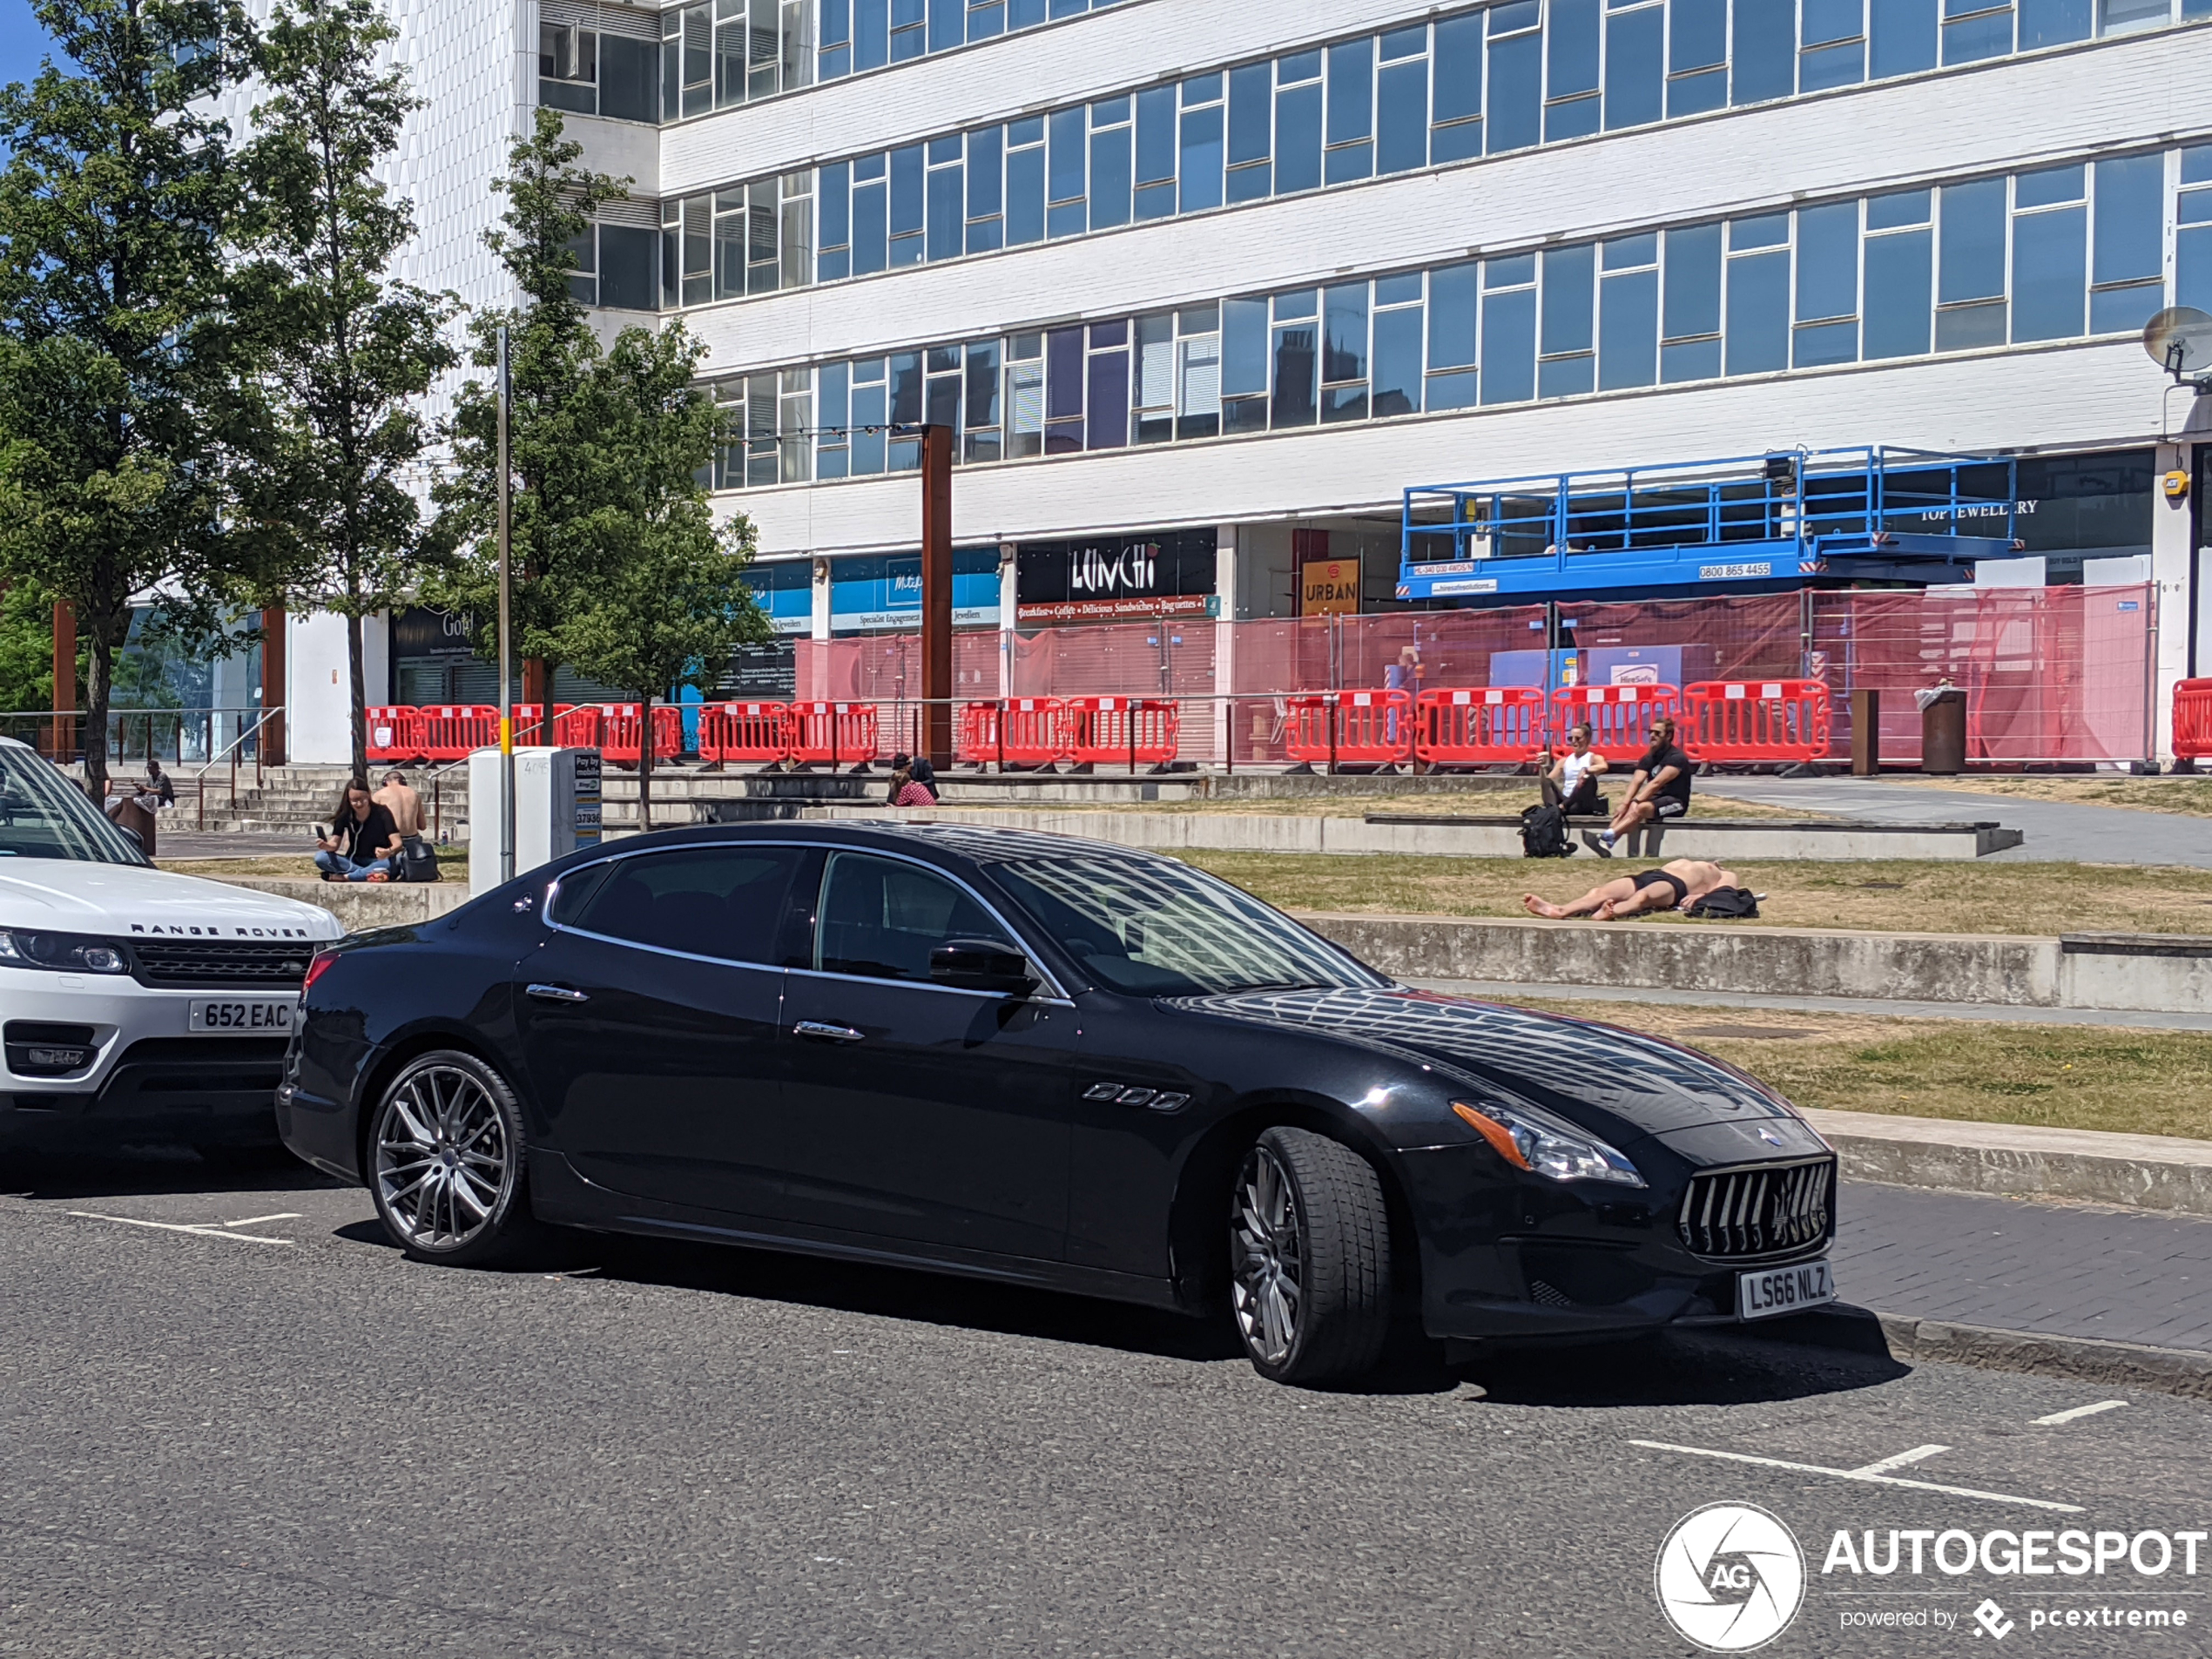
pixel 1784 1289
pixel 241 1016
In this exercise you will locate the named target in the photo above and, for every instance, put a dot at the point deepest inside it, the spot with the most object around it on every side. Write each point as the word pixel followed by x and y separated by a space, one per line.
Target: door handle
pixel 828 1033
pixel 556 994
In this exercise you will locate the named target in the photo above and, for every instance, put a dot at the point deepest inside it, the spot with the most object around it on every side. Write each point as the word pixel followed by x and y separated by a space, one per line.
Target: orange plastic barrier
pixel 744 732
pixel 1021 732
pixel 1620 717
pixel 2193 720
pixel 1755 720
pixel 530 723
pixel 1359 728
pixel 614 730
pixel 839 733
pixel 453 732
pixel 1126 731
pixel 1503 723
pixel 394 734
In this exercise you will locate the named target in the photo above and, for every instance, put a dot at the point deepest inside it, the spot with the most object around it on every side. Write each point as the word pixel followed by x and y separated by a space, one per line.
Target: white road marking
pixel 249 1221
pixel 2080 1411
pixel 1883 1466
pixel 1858 1474
pixel 204 1231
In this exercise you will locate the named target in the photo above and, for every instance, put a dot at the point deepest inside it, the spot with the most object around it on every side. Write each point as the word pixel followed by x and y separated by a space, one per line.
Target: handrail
pixel 199 777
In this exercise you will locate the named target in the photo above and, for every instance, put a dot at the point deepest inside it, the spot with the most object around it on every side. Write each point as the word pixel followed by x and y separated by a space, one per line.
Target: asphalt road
pixel 213 1443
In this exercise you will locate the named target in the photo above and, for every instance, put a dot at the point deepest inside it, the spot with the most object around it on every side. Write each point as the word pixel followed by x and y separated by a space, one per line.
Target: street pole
pixel 937 595
pixel 506 668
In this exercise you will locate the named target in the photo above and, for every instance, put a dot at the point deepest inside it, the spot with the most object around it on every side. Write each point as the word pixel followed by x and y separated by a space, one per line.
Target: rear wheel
pixel 445 1163
pixel 1309 1258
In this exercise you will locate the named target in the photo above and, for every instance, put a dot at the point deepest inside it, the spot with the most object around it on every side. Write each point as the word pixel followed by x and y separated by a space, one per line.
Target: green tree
pixel 121 433
pixel 563 474
pixel 662 600
pixel 27 652
pixel 343 350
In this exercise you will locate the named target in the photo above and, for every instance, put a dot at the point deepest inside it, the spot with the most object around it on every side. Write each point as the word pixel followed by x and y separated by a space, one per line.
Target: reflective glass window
pixel 1764 61
pixel 1515 119
pixel 1901 36
pixel 1635 51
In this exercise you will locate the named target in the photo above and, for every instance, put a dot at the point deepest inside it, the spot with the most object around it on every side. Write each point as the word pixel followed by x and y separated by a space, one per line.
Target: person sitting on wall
pixel 914 781
pixel 362 841
pixel 1569 781
pixel 1672 886
pixel 1659 789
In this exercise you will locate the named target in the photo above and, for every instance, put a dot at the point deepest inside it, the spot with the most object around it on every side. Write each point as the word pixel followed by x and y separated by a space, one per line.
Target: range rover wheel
pixel 445 1157
pixel 1309 1258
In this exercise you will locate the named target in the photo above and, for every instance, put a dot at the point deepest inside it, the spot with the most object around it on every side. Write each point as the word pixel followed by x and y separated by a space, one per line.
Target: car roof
pixel 973 843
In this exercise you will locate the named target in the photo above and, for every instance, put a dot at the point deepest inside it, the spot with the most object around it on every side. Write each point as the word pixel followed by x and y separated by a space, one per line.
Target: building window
pixel 587 71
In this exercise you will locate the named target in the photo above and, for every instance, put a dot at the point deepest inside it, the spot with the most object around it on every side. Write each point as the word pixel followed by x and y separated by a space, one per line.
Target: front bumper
pixel 1531 1258
pixel 151 1078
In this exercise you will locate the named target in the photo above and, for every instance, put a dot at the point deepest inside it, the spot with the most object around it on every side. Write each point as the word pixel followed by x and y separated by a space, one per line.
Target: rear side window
pixel 881 918
pixel 719 901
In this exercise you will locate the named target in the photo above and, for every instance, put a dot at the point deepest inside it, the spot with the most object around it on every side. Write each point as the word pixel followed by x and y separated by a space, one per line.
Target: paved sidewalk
pixel 1515 991
pixel 2055 1270
pixel 2055 830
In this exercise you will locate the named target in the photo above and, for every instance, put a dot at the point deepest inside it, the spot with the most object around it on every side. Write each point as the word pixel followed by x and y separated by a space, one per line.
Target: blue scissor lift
pixel 1776 519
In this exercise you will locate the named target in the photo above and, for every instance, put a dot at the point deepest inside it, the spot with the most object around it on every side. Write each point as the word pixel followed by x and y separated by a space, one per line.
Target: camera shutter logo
pixel 1731 1577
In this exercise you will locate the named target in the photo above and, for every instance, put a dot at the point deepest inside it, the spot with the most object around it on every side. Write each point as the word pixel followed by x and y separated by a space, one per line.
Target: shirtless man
pixel 404 805
pixel 1671 886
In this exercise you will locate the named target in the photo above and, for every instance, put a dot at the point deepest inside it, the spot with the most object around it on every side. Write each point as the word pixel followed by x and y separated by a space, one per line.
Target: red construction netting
pixel 2049 673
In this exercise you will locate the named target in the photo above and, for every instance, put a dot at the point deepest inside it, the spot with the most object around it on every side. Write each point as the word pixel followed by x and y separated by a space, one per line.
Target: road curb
pixel 2021 1160
pixel 2181 1371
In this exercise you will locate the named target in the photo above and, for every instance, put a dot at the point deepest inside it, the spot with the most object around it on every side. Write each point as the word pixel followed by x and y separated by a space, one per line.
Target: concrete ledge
pixel 2116 1364
pixel 2144 1171
pixel 361 905
pixel 2006 969
pixel 1459 837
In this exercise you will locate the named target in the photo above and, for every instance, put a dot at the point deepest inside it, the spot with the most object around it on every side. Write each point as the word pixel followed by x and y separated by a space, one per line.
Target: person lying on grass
pixel 1682 882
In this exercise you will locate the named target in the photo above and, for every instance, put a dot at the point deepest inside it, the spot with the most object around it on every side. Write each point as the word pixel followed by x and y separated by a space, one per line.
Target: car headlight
pixel 63 953
pixel 1544 1145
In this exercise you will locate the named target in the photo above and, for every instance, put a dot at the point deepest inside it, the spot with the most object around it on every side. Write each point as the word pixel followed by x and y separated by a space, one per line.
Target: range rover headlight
pixel 1544 1145
pixel 62 953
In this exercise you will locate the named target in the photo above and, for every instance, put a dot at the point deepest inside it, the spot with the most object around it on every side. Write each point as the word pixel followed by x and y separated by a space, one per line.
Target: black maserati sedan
pixel 1044 1061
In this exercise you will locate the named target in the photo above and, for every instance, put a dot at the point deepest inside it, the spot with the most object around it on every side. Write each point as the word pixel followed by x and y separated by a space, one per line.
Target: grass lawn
pixel 1898 895
pixel 2188 796
pixel 453 866
pixel 1471 803
pixel 2061 1076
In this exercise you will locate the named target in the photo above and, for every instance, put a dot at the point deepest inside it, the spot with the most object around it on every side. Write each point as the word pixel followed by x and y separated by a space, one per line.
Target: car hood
pixel 67 895
pixel 1644 1083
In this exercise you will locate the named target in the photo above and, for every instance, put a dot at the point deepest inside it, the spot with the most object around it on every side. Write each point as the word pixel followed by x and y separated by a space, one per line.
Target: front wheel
pixel 1308 1256
pixel 446 1155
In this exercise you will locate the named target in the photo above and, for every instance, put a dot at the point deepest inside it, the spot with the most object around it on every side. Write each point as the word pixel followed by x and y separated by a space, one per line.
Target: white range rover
pixel 135 1005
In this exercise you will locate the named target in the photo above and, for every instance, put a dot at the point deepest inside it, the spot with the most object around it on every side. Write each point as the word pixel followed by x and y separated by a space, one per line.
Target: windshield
pixel 44 815
pixel 1154 927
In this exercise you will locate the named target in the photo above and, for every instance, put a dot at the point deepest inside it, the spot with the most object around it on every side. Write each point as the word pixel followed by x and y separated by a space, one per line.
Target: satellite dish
pixel 2179 340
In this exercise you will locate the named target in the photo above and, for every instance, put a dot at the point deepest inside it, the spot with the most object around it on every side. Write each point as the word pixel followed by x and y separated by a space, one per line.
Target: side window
pixel 722 901
pixel 881 918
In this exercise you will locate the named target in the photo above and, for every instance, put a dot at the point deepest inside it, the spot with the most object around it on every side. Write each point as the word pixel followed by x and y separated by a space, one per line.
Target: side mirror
pixel 981 965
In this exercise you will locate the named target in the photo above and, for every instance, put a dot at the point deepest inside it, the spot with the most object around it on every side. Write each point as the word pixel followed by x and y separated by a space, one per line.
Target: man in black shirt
pixel 1658 790
pixel 362 841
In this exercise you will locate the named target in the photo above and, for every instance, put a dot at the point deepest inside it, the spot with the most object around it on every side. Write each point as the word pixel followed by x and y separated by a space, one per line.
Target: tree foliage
pixel 123 429
pixel 343 351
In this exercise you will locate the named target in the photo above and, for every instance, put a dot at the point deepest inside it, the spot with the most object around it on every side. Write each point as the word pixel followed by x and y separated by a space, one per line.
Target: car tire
pixel 446 1164
pixel 1309 1258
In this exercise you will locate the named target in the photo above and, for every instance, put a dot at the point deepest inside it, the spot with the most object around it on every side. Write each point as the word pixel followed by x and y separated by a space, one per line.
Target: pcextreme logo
pixel 1731 1577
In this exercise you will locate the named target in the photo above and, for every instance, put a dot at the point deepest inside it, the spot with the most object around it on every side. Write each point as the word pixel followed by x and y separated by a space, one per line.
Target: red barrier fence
pixel 2193 720
pixel 1132 732
pixel 395 735
pixel 836 733
pixel 1022 731
pixel 756 732
pixel 1755 720
pixel 1498 724
pixel 1620 717
pixel 454 731
pixel 1350 728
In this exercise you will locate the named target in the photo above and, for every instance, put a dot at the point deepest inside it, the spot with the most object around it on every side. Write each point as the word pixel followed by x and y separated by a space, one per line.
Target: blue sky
pixel 23 43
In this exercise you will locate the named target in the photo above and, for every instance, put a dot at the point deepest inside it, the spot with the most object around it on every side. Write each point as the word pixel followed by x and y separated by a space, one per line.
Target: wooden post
pixel 937 593
pixel 1865 733
pixel 62 740
pixel 269 749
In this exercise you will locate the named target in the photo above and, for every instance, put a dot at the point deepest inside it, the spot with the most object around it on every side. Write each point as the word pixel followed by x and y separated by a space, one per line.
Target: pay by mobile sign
pixel 1731 1577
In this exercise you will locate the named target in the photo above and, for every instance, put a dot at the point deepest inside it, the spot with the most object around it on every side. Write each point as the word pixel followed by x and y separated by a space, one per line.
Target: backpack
pixel 1726 904
pixel 417 861
pixel 1543 833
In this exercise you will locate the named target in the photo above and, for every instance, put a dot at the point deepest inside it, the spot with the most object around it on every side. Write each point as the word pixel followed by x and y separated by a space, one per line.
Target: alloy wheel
pixel 442 1158
pixel 1267 1258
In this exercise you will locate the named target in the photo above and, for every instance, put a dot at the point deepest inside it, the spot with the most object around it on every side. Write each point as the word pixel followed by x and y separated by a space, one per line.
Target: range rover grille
pixel 1761 1210
pixel 244 964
